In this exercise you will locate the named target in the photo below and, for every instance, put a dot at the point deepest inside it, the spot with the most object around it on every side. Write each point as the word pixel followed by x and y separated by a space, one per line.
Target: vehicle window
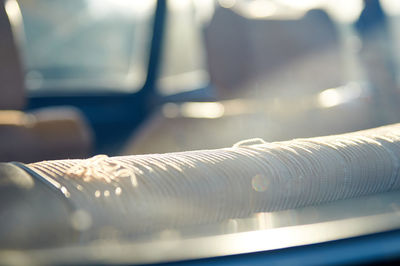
pixel 86 44
pixel 183 63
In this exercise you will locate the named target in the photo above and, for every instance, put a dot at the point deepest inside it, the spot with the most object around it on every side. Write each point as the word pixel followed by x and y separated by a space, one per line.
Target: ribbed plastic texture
pixel 143 193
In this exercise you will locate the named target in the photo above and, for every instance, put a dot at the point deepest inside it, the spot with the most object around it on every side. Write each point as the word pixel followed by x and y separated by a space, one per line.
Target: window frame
pixel 113 115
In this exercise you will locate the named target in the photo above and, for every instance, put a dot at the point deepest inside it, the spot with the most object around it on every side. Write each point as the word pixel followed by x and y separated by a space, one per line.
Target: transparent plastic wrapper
pixel 129 196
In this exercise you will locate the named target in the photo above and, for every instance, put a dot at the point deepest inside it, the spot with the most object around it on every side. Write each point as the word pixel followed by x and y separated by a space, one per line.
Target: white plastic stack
pixel 142 193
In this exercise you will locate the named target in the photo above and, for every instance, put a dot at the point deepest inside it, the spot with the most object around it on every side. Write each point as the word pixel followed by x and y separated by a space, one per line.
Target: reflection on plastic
pixel 201 187
pixel 100 168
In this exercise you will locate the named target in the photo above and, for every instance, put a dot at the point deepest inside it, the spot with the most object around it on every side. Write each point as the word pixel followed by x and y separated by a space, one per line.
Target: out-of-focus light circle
pixel 260 183
pixel 227 3
pixel 81 220
pixel 391 7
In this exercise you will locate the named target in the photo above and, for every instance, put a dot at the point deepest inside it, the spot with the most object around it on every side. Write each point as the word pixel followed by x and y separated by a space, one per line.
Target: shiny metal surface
pixel 262 232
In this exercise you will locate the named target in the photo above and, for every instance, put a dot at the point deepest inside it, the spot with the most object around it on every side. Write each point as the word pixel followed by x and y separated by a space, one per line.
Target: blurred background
pixel 83 77
pixel 123 77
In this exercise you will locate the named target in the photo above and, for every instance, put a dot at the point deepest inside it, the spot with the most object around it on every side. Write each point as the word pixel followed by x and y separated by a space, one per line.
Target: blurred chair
pixel 241 51
pixel 274 71
pixel 49 133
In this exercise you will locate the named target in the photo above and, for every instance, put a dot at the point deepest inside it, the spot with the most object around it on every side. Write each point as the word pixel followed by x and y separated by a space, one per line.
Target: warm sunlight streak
pixel 260 9
pixel 15 118
pixel 202 110
pixel 344 11
pixel 391 7
pixel 13 13
pixel 137 7
pixel 194 110
pixel 339 95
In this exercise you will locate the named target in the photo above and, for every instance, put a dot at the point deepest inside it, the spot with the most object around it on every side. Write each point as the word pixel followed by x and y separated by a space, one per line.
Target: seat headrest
pixel 12 88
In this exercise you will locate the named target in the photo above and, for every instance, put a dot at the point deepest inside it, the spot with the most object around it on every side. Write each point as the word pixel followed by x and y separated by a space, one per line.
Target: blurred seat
pixel 242 50
pixel 11 71
pixel 49 133
pixel 274 70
